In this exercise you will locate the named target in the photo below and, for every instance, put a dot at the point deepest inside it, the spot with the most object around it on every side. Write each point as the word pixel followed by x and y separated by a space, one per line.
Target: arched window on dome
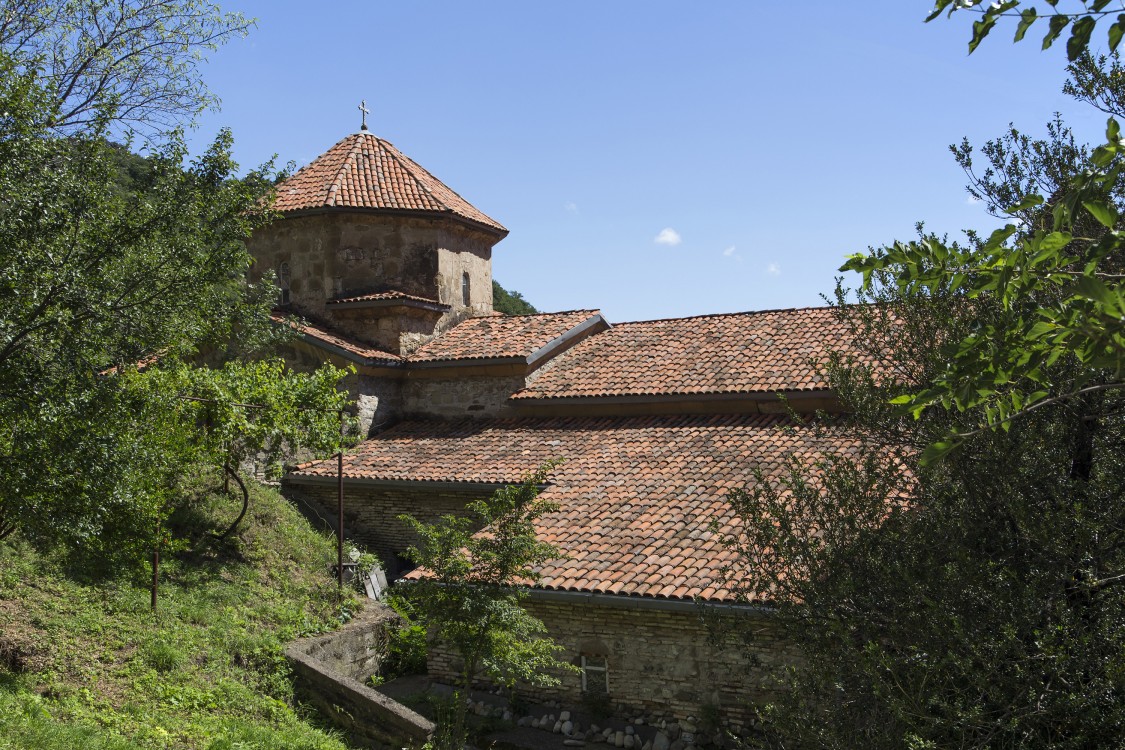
pixel 465 289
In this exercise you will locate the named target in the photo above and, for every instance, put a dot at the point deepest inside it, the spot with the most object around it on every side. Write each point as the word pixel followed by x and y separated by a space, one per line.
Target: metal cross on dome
pixel 365 112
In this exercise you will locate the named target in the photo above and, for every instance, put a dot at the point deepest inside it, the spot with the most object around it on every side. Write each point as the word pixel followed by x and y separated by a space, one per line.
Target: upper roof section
pixel 742 353
pixel 526 337
pixel 365 172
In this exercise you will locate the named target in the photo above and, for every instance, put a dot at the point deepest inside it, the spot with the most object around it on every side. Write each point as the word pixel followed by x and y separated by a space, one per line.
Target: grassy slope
pixel 85 664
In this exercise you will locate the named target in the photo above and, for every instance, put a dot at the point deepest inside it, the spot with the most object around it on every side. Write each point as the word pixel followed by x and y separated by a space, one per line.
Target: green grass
pixel 84 663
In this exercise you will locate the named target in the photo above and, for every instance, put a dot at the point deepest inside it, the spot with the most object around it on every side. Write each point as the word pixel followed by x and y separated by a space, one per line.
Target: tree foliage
pixel 510 303
pixel 257 413
pixel 135 62
pixel 123 277
pixel 971 597
pixel 469 596
pixel 1075 19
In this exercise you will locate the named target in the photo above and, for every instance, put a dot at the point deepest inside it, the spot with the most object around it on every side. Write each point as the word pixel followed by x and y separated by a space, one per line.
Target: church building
pixel 389 270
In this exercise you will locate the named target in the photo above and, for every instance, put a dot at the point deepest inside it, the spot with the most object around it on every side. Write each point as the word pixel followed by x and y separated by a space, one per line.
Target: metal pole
pixel 340 519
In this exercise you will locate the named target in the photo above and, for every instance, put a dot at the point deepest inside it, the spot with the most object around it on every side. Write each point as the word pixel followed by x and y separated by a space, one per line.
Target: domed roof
pixel 364 171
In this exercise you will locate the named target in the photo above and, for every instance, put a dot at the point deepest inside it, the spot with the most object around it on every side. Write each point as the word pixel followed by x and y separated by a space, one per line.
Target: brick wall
pixel 460 396
pixel 371 513
pixel 661 664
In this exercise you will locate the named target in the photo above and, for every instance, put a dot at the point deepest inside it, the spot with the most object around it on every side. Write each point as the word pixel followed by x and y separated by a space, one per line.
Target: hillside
pixel 85 664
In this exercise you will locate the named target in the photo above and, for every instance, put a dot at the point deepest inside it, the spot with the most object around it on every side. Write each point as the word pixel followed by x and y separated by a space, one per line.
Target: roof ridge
pixel 341 171
pixel 546 314
pixel 725 315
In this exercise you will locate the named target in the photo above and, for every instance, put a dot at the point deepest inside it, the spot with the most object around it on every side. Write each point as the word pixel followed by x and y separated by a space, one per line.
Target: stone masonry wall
pixel 371 514
pixel 460 397
pixel 331 673
pixel 342 253
pixel 660 663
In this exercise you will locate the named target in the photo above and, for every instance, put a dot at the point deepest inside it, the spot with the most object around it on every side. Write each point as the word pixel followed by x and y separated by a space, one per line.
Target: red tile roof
pixel 636 494
pixel 756 352
pixel 364 171
pixel 322 336
pixel 502 337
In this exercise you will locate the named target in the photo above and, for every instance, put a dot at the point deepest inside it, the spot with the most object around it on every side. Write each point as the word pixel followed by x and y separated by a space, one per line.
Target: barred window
pixel 595 675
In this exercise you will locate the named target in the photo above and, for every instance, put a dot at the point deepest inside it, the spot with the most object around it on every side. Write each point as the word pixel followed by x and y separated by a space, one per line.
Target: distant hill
pixel 510 303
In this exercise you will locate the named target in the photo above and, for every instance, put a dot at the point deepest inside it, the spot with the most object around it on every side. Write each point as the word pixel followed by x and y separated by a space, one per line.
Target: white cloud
pixel 972 200
pixel 729 251
pixel 668 236
pixel 773 269
pixel 570 207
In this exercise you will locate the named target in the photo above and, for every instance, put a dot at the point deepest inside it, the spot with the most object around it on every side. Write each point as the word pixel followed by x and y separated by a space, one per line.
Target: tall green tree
pixel 469 596
pixel 120 282
pixel 957 580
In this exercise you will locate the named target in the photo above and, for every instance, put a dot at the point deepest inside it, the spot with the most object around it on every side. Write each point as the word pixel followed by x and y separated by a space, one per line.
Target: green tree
pixel 967 597
pixel 470 592
pixel 256 413
pixel 1080 17
pixel 122 276
pixel 510 303
pixel 135 62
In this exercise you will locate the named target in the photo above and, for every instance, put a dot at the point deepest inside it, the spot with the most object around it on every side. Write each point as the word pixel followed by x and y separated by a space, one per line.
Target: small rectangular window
pixel 595 675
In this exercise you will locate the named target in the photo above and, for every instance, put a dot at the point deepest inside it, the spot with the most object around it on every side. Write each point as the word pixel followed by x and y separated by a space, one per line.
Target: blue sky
pixel 652 159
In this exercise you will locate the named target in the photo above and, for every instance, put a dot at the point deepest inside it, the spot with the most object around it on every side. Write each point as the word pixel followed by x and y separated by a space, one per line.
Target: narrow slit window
pixel 283 283
pixel 465 289
pixel 595 675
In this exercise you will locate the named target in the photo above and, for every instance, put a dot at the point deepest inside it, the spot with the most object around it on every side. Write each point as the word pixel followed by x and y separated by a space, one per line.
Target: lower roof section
pixel 637 495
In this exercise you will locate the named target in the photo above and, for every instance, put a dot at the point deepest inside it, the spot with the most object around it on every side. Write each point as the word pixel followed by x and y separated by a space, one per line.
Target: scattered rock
pixel 688 727
pixel 564 716
pixel 630 742
pixel 619 739
pixel 661 741
pixel 567 726
pixel 557 728
pixel 647 745
pixel 629 730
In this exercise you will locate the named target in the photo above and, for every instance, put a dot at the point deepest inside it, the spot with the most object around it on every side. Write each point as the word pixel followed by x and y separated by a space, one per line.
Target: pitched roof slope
pixel 636 494
pixel 501 337
pixel 755 352
pixel 364 171
pixel 325 338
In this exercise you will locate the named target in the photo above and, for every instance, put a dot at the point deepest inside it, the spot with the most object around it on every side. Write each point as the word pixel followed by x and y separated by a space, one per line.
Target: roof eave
pixel 497 230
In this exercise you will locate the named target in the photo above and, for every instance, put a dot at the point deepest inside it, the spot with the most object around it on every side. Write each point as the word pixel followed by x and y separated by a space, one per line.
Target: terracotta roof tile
pixel 364 171
pixel 500 337
pixel 320 335
pixel 711 354
pixel 636 494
